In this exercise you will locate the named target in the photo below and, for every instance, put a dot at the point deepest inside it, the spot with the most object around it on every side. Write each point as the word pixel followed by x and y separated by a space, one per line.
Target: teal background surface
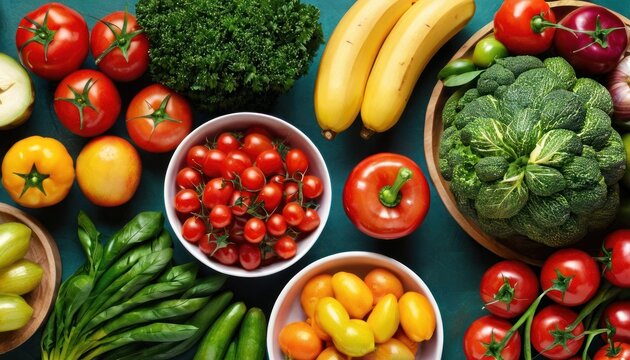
pixel 449 261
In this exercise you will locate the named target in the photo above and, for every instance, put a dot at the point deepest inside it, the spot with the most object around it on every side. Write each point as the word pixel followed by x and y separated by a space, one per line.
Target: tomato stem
pixel 81 100
pixel 41 34
pixel 606 292
pixel 33 179
pixel 390 195
pixel 122 39
pixel 599 35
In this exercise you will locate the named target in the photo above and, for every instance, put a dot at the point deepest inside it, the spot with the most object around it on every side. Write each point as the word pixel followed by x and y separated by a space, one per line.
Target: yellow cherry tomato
pixel 392 349
pixel 410 344
pixel 352 293
pixel 320 333
pixel 298 341
pixel 416 316
pixel 355 339
pixel 330 353
pixel 384 318
pixel 330 315
pixel 382 282
pixel 316 288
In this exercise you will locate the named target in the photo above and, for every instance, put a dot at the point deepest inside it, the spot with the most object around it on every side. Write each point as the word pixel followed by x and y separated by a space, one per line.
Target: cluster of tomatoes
pixel 245 199
pixel 588 300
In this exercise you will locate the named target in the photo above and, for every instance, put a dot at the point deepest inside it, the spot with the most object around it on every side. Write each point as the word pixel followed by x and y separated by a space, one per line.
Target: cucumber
pixel 251 336
pixel 215 344
pixel 231 351
pixel 16 93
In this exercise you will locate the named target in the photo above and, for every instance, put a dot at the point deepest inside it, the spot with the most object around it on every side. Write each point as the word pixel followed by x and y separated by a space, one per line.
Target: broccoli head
pixel 495 76
pixel 603 216
pixel 465 182
pixel 596 129
pixel 544 180
pixel 612 159
pixel 593 94
pixel 581 173
pixel 561 109
pixel 583 201
pixel 524 131
pixel 491 168
pixel 559 66
pixel 482 107
pixel 450 108
pixel 469 96
pixel 548 211
pixel 519 64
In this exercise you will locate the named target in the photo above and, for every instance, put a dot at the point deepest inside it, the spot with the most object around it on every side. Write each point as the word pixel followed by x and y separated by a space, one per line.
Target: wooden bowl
pixel 517 248
pixel 43 250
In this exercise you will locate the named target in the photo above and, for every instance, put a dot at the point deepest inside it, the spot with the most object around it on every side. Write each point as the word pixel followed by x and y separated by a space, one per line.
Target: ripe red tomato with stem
pixel 291 191
pixel 252 179
pixel 120 47
pixel 193 229
pixel 549 335
pixel 293 213
pixel 616 258
pixel 276 225
pixel 213 163
pixel 277 179
pixel 619 351
pixel 249 256
pixel 483 338
pixel 513 26
pixel 187 201
pixel 270 196
pixel 508 288
pixel 310 222
pixel 240 201
pixel 228 141
pixel 188 178
pixel 227 255
pixel 158 119
pixel 217 192
pixel 52 41
pixel 256 143
pixel 617 314
pixel 254 230
pixel 297 163
pixel 576 274
pixel 87 103
pixel 196 156
pixel 235 162
pixel 312 187
pixel 270 162
pixel 285 247
pixel 220 216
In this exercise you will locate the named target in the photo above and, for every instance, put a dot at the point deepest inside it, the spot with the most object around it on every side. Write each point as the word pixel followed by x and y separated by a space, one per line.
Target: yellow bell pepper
pixel 416 316
pixel 37 172
pixel 384 318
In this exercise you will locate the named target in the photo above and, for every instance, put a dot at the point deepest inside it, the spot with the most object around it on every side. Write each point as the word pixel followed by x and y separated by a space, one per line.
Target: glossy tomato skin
pixel 618 315
pixel 604 352
pixel 549 320
pixel 365 210
pixel 217 192
pixel 617 244
pixel 114 63
pixel 92 86
pixel 482 331
pixel 188 178
pixel 580 271
pixel 512 26
pixel 494 289
pixel 67 48
pixel 158 119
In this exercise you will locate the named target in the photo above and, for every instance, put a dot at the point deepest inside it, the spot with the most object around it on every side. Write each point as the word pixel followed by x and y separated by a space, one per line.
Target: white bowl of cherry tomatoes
pixel 247 194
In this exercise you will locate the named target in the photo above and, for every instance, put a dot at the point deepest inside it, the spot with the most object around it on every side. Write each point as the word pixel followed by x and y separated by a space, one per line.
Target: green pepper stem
pixel 390 195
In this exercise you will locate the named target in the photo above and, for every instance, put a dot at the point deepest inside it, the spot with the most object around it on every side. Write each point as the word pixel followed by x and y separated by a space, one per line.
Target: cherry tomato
pixel 310 222
pixel 249 256
pixel 417 317
pixel 489 330
pixel 227 255
pixel 252 179
pixel 235 162
pixel 255 143
pixel 188 178
pixel 158 119
pixel 254 230
pixel 196 156
pixel 261 130
pixel 236 230
pixel 549 326
pixel 299 341
pixel 217 192
pixel 52 41
pixel 271 196
pixel 207 244
pixel 617 264
pixel 576 270
pixel 220 216
pixel 293 213
pixel 290 191
pixel 239 201
pixel 513 26
pixel 620 351
pixel 352 293
pixel 276 225
pixel 285 247
pixel 270 162
pixel 296 162
pixel 317 287
pixel 312 187
pixel 618 315
pixel 508 288
pixel 187 201
pixel 487 50
pixel 120 47
pixel 193 229
pixel 277 179
pixel 213 163
pixel 382 282
pixel 227 142
pixel 330 353
pixel 87 103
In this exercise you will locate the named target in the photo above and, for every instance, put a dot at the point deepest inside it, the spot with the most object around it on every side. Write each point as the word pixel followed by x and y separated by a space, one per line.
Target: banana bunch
pixel 375 56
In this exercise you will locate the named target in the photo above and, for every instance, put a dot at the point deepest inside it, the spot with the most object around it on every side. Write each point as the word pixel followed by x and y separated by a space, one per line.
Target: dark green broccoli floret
pixel 449 139
pixel 541 80
pixel 445 169
pixel 497 227
pixel 491 168
pixel 519 64
pixel 544 180
pixel 571 231
pixel 450 108
pixel 563 69
pixel 524 131
pixel 561 109
pixel 593 94
pixel 602 217
pixel 581 173
pixel 495 76
pixel 585 200
pixel 483 107
pixel 612 159
pixel 589 152
pixel 548 211
pixel 596 129
pixel 228 55
pixel 466 206
pixel 465 182
pixel 498 93
pixel 469 96
pixel 515 99
pixel 461 155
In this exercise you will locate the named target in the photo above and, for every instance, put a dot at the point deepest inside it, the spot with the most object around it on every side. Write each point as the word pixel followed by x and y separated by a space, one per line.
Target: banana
pixel 347 60
pixel 417 36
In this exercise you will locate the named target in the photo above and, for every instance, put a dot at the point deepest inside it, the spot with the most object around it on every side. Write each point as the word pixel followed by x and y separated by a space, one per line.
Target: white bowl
pixel 242 121
pixel 287 307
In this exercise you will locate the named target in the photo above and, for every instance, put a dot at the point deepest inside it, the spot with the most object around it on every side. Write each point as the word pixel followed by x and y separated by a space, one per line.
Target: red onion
pixel 619 87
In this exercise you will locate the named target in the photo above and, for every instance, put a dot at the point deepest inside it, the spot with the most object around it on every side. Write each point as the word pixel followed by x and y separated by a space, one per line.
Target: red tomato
pixel 513 26
pixel 87 103
pixel 617 264
pixel 252 179
pixel 193 229
pixel 311 221
pixel 227 255
pixel 508 288
pixel 255 143
pixel 188 178
pixel 235 162
pixel 618 315
pixel 52 41
pixel 227 142
pixel 236 230
pixel 240 201
pixel 206 246
pixel 196 156
pixel 254 230
pixel 296 162
pixel 487 331
pixel 261 130
pixel 270 162
pixel 574 269
pixel 620 351
pixel 213 163
pixel 285 247
pixel 293 213
pixel 220 216
pixel 271 196
pixel 548 327
pixel 277 179
pixel 249 256
pixel 291 191
pixel 276 225
pixel 120 47
pixel 158 119
pixel 312 187
pixel 217 192
pixel 187 201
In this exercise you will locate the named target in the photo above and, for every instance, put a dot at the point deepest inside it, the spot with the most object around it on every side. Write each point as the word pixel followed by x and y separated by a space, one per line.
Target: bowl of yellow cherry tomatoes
pixel 355 305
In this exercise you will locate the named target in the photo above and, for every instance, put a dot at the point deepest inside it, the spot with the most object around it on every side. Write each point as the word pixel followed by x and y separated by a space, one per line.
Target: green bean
pixel 206 286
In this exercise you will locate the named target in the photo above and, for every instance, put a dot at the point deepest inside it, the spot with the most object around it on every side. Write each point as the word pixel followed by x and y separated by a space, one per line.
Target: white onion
pixel 619 87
